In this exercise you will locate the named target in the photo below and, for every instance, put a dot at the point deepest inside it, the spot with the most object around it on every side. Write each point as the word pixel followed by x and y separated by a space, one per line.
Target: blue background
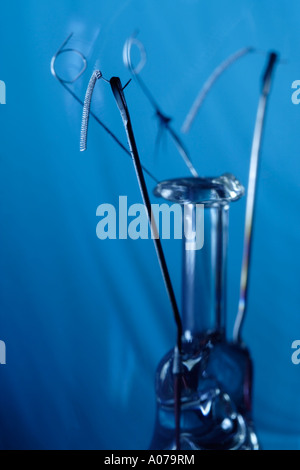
pixel 86 321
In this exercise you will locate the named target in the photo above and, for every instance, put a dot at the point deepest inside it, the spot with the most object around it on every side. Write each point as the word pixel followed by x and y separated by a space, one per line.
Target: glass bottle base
pixel 216 384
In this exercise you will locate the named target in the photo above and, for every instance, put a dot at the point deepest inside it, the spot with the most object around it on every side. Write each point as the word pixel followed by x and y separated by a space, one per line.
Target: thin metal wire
pixel 65 83
pixel 164 120
pixel 209 84
pixel 177 372
pixel 122 105
pixel 251 196
pixel 60 51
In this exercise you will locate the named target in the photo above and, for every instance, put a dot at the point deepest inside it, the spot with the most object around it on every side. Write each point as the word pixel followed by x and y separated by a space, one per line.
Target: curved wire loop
pixel 133 41
pixel 118 92
pixel 61 51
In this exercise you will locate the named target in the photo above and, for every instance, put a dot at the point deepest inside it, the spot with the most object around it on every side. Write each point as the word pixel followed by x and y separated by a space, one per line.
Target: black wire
pixel 122 105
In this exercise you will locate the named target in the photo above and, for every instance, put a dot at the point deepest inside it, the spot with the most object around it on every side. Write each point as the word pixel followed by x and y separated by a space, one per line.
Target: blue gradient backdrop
pixel 86 321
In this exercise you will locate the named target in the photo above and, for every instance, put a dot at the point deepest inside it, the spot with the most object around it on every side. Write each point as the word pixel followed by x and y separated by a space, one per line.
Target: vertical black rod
pixel 119 95
pixel 122 105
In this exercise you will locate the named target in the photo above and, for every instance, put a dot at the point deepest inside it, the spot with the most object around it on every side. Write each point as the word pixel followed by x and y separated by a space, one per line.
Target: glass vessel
pixel 216 379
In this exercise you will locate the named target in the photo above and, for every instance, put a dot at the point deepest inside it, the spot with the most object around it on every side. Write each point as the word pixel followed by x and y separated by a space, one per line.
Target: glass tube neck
pixel 203 270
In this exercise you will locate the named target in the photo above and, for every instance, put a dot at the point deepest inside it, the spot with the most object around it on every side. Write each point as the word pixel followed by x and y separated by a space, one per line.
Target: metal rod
pixel 251 196
pixel 122 105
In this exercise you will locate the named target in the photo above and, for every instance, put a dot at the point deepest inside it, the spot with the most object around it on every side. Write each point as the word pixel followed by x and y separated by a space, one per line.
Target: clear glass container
pixel 216 378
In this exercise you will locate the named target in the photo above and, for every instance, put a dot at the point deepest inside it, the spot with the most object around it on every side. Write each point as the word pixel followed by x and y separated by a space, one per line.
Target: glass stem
pixel 204 272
